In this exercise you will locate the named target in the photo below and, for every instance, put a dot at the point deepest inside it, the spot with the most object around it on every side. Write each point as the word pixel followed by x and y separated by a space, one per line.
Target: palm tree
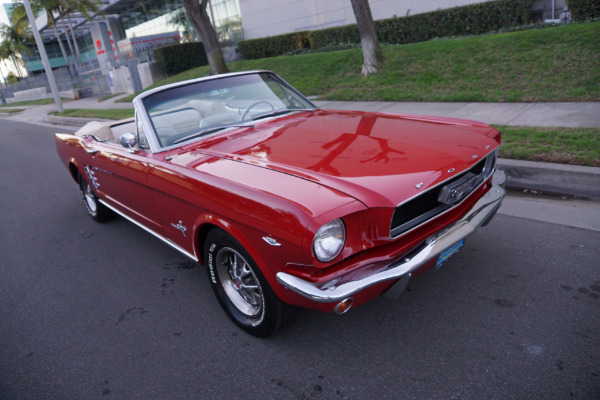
pixel 20 21
pixel 85 8
pixel 14 43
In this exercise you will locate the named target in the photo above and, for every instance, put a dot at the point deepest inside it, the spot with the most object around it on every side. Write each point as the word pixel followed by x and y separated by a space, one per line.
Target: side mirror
pixel 128 140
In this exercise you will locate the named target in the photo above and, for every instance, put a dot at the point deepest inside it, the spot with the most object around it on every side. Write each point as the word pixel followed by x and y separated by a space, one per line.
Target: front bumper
pixel 339 289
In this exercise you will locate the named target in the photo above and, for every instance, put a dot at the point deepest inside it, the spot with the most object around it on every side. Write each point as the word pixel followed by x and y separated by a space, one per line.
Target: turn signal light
pixel 343 306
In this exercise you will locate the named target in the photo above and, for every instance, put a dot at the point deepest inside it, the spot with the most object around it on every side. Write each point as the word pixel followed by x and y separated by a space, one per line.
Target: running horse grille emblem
pixel 458 190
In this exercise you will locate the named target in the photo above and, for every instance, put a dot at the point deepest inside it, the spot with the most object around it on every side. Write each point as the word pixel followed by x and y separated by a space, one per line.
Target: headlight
pixel 329 240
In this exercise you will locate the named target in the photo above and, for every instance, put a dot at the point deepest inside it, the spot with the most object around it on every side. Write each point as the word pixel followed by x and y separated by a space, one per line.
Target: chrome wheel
pixel 90 198
pixel 94 208
pixel 239 282
pixel 241 288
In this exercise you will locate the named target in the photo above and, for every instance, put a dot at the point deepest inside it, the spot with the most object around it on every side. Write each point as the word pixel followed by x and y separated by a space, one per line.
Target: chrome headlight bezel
pixel 329 240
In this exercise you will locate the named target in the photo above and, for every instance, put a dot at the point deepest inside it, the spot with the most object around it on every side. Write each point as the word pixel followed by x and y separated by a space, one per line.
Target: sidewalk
pixel 572 115
pixel 545 177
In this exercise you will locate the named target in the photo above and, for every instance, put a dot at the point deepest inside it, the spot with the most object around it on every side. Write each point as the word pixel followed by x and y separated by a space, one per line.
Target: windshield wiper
pixel 277 112
pixel 212 130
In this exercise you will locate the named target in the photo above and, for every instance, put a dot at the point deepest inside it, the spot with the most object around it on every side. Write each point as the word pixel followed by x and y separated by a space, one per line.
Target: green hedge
pixel 177 58
pixel 274 45
pixel 584 9
pixel 466 20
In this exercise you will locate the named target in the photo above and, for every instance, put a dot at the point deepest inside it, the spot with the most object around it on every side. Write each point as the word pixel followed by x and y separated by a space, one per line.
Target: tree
pixel 84 7
pixel 14 43
pixel 180 19
pixel 196 12
pixel 20 21
pixel 372 55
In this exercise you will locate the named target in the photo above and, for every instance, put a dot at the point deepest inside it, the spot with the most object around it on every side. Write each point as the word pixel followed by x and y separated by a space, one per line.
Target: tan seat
pixel 99 129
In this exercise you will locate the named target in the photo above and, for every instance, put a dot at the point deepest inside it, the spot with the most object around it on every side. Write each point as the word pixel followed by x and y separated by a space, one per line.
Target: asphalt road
pixel 105 311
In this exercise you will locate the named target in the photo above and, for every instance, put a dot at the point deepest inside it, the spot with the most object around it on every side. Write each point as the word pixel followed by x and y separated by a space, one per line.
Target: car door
pixel 119 175
pixel 179 199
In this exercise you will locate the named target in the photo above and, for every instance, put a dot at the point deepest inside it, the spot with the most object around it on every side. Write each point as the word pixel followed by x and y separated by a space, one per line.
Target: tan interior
pixel 107 131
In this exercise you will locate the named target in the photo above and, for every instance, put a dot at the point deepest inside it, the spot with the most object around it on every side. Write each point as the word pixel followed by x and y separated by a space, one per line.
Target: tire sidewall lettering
pixel 210 262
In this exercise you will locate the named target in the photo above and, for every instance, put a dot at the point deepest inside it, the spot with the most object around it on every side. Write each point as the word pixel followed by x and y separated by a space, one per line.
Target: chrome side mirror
pixel 129 141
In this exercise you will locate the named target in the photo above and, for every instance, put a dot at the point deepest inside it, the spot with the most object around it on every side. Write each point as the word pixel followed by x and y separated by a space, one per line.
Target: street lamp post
pixel 42 50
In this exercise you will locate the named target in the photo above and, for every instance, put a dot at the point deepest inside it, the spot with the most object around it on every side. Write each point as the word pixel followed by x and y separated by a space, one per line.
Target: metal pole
pixel 42 50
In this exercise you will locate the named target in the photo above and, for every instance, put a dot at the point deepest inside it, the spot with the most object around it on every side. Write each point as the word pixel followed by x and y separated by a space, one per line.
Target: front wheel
pixel 95 209
pixel 240 287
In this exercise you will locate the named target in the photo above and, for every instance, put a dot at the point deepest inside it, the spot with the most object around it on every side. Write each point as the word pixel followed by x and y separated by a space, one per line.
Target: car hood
pixel 379 159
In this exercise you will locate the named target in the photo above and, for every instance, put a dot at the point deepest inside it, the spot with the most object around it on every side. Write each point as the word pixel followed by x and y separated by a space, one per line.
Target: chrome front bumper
pixel 340 289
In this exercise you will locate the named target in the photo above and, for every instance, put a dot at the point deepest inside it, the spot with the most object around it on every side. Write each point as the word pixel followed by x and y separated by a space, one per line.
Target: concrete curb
pixel 561 179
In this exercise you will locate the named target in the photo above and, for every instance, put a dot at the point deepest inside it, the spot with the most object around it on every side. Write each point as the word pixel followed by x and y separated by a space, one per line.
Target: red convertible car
pixel 287 204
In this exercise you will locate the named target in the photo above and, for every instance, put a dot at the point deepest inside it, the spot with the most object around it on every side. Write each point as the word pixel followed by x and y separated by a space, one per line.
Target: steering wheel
pixel 251 106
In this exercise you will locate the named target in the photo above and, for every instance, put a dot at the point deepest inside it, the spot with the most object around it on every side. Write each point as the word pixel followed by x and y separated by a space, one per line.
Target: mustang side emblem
pixel 180 227
pixel 418 185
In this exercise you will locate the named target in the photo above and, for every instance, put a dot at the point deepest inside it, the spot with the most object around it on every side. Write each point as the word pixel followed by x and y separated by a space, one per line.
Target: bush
pixel 12 78
pixel 467 20
pixel 584 9
pixel 177 58
pixel 274 45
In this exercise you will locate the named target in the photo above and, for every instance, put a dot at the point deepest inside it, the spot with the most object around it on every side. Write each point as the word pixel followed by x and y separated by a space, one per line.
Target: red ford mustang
pixel 287 204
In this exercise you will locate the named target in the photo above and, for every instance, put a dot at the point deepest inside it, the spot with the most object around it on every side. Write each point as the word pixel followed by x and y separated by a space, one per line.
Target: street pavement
pixel 105 311
pixel 566 180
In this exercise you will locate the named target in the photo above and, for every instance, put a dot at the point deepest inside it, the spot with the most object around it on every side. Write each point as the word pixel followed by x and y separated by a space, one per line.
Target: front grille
pixel 422 208
pixel 415 208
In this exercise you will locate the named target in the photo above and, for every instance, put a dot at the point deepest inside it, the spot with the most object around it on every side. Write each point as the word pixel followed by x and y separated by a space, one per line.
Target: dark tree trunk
pixel 60 43
pixel 196 12
pixel 373 58
pixel 68 41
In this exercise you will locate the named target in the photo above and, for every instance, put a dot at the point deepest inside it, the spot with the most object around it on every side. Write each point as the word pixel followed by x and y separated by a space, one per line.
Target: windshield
pixel 198 109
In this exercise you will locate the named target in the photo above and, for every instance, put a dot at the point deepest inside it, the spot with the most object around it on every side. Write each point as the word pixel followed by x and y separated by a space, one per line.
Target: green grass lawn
pixel 11 110
pixel 553 64
pixel 38 102
pixel 578 146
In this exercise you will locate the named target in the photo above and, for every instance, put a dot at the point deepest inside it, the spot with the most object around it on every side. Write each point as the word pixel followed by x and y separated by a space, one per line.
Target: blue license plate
pixel 449 252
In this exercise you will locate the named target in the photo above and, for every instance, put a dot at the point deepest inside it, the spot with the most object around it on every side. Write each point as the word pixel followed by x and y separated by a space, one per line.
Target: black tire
pixel 241 288
pixel 98 211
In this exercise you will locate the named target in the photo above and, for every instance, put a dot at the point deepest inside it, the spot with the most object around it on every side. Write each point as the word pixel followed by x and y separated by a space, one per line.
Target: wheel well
pixel 202 233
pixel 74 172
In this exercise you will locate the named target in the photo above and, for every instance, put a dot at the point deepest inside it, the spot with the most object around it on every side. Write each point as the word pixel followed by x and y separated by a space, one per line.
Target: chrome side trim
pixel 150 231
pixel 481 213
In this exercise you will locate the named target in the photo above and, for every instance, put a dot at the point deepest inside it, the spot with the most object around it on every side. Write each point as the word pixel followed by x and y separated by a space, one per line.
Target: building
pixel 268 18
pixel 123 19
